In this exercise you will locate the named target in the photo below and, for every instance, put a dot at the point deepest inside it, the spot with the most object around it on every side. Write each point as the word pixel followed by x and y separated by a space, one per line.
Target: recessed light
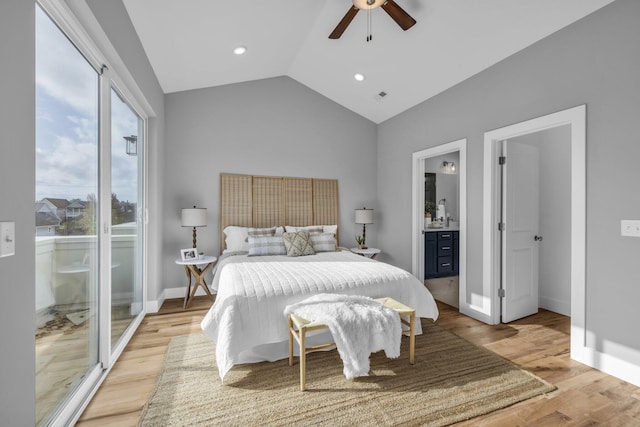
pixel 359 77
pixel 240 50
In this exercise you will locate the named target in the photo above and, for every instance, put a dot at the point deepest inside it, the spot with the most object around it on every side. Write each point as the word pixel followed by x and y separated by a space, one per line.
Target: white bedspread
pixel 247 314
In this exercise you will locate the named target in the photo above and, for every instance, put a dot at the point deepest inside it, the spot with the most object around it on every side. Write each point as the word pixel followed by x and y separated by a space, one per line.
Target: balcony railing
pixel 64 268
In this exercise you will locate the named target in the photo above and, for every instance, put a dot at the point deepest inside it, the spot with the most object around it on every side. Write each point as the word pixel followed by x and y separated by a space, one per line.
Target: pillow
pixel 312 229
pixel 333 229
pixel 298 243
pixel 325 242
pixel 252 232
pixel 237 237
pixel 266 245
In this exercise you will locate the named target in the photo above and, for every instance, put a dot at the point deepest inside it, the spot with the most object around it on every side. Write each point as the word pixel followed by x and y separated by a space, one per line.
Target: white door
pixel 520 213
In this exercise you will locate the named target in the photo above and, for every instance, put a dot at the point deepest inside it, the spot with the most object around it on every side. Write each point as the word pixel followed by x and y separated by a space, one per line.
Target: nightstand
pixel 197 268
pixel 369 252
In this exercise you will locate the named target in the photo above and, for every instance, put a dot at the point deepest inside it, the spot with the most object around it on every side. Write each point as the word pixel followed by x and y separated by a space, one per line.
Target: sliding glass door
pixel 127 132
pixel 89 221
pixel 67 135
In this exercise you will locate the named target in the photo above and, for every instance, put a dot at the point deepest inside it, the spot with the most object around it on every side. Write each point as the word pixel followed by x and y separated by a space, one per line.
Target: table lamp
pixel 194 217
pixel 364 216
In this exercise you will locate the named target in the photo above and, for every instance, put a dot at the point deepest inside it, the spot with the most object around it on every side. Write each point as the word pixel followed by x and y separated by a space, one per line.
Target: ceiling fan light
pixel 359 77
pixel 367 4
pixel 240 50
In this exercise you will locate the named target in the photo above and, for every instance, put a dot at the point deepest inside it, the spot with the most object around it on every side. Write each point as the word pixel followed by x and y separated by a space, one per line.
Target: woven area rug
pixel 452 380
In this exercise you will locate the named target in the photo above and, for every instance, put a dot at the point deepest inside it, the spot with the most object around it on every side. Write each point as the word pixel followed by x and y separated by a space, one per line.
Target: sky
pixel 67 123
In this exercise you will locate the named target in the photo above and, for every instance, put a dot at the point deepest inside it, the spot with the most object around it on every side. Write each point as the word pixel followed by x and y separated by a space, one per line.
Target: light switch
pixel 630 228
pixel 7 238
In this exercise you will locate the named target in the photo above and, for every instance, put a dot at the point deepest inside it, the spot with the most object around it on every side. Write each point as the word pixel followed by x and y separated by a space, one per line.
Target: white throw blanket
pixel 359 325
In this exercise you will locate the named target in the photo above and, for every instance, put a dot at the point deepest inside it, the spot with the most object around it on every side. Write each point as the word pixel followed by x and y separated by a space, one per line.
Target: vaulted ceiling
pixel 190 44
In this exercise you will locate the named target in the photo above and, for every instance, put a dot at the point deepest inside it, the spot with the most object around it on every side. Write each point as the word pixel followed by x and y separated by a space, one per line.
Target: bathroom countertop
pixel 428 230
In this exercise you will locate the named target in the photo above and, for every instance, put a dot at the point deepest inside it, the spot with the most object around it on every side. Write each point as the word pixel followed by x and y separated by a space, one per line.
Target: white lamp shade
pixel 194 217
pixel 364 216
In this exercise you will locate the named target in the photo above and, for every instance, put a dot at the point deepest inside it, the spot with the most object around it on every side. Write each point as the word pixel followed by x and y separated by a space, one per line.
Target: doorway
pixel 421 160
pixel 536 219
pixel 575 118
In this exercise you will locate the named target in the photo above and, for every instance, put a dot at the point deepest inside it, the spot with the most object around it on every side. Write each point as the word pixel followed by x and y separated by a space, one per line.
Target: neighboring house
pixel 75 209
pixel 58 206
pixel 46 223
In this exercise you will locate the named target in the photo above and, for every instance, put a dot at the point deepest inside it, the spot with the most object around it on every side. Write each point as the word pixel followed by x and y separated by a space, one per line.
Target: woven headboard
pixel 267 201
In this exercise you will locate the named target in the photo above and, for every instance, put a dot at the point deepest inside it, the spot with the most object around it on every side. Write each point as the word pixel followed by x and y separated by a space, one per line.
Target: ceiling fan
pixel 402 18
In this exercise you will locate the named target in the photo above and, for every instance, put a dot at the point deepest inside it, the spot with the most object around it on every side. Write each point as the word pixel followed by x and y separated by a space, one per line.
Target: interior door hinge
pixel 502 160
pixel 501 293
pixel 501 226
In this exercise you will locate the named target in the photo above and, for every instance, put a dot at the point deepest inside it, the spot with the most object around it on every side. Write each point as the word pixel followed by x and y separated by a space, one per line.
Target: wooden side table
pixel 197 268
pixel 369 252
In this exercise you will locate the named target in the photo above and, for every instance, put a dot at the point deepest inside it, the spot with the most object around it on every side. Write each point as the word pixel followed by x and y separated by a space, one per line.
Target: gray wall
pixel 17 187
pixel 274 127
pixel 594 61
pixel 17 193
pixel 555 216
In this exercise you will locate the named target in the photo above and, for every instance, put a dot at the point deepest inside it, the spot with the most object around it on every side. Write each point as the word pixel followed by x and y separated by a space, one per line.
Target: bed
pixel 255 284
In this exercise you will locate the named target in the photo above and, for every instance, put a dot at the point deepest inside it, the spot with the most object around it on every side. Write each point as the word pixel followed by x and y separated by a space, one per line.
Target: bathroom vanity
pixel 441 252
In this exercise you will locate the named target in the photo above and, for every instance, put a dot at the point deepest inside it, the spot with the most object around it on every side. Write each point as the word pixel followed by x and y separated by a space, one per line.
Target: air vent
pixel 380 95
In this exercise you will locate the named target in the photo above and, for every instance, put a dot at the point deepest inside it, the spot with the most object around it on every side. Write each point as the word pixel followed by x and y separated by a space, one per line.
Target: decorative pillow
pixel 266 245
pixel 325 242
pixel 298 243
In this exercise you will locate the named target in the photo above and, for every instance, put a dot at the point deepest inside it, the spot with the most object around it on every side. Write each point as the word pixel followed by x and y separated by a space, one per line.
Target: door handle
pixel 538 238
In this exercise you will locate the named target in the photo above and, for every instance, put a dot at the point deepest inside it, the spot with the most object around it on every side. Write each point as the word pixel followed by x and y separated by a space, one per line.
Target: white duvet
pixel 247 322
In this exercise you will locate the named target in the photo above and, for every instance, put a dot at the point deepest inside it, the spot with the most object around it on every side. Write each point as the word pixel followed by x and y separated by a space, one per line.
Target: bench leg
pixel 412 337
pixel 290 342
pixel 303 361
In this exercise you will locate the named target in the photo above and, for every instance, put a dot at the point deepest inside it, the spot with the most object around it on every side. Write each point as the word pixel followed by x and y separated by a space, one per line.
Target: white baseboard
pixel 153 306
pixel 555 305
pixel 608 364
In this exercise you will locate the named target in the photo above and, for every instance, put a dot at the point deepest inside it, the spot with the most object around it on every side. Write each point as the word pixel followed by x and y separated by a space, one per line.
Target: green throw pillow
pixel 298 243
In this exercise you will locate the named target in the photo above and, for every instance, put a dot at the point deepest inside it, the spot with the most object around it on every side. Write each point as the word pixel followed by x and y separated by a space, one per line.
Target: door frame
pixel 417 239
pixel 576 118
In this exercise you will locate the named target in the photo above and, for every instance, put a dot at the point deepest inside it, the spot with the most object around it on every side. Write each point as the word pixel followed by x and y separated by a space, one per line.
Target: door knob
pixel 538 238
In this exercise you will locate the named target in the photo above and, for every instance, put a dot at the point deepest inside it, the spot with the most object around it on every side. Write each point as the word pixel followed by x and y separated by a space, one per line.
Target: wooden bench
pixel 299 327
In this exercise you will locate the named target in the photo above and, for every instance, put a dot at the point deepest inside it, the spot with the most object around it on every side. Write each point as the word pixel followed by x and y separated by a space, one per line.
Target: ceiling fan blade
pixel 398 14
pixel 344 23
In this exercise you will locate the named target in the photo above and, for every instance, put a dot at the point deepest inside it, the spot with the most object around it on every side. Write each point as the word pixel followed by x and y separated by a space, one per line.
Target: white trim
pixel 611 365
pixel 417 207
pixel 68 414
pixel 555 305
pixel 153 306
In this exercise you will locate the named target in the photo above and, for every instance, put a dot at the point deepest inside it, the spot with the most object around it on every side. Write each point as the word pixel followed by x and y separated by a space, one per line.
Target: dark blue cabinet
pixel 441 254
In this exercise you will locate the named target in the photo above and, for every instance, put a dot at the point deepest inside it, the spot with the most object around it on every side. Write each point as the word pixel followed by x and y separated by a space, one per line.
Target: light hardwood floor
pixel 539 343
